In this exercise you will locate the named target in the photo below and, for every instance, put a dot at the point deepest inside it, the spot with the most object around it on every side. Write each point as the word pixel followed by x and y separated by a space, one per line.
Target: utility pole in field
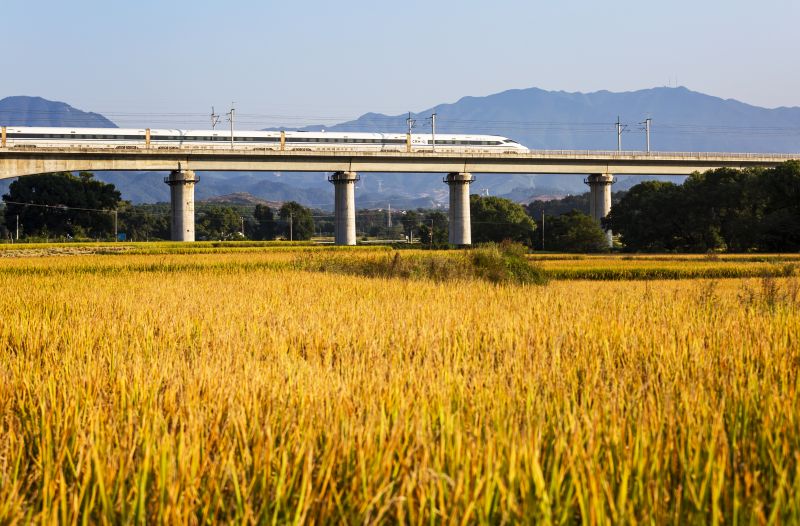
pixel 17 227
pixel 543 229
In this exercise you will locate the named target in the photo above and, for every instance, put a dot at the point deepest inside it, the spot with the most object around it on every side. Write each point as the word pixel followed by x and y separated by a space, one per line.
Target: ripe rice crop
pixel 239 387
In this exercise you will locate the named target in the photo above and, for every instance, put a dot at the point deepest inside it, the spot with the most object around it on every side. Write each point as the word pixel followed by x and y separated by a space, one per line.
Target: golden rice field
pixel 248 385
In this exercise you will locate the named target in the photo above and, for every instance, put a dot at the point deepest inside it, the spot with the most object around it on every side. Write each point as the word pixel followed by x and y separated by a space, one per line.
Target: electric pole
pixel 230 119
pixel 291 234
pixel 410 123
pixel 116 233
pixel 214 118
pixel 542 229
pixel 18 228
pixel 620 128
pixel 433 131
pixel 647 122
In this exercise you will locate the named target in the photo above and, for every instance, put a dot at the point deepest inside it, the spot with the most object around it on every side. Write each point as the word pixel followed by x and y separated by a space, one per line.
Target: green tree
pixel 433 224
pixel 60 196
pixel 649 218
pixel 299 219
pixel 565 205
pixel 219 222
pixel 780 223
pixel 722 209
pixel 265 226
pixel 574 232
pixel 409 221
pixel 498 219
pixel 141 224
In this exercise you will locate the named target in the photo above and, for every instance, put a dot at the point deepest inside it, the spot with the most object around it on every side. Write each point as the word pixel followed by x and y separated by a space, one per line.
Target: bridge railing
pixel 644 154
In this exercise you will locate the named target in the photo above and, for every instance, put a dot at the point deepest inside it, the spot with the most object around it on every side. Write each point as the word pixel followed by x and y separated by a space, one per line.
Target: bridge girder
pixel 15 162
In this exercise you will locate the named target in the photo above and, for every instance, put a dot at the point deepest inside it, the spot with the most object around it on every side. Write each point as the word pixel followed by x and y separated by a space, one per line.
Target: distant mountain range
pixel 683 120
pixel 36 111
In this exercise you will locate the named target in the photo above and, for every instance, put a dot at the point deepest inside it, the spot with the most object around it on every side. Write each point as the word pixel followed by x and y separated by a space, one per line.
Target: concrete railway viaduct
pixel 457 169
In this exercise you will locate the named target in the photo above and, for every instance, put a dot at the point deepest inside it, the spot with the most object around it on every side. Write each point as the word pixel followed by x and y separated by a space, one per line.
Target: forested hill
pixel 36 111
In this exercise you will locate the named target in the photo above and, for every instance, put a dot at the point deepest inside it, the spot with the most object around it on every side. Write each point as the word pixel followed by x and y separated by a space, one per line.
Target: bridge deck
pixel 18 161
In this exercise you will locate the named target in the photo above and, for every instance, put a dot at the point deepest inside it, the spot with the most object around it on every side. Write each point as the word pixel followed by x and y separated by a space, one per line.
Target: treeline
pixel 63 206
pixel 721 210
pixel 750 210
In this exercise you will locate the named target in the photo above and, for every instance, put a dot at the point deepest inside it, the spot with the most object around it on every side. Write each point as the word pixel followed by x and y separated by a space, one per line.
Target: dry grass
pixel 233 387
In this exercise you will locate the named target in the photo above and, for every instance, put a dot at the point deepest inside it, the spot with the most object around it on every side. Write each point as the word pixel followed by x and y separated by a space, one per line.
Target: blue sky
pixel 314 60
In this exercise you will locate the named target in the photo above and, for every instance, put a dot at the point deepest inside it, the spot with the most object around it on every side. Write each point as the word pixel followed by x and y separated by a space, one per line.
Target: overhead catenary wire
pixel 399 123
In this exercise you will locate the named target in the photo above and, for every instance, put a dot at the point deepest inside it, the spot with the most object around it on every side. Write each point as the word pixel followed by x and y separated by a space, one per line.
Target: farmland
pixel 276 384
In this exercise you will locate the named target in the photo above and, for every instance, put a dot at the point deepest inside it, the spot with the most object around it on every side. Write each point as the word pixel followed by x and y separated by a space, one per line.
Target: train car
pixel 278 140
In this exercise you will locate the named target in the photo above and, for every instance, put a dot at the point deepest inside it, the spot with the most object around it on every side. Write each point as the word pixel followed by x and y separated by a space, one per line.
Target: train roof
pixel 241 133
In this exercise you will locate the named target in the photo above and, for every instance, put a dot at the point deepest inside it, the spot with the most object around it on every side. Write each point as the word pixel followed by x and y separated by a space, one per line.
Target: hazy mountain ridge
pixel 683 120
pixel 36 111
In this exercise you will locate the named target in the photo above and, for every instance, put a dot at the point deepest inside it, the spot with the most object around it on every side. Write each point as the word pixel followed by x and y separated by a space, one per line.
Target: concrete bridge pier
pixel 181 188
pixel 600 198
pixel 344 212
pixel 460 233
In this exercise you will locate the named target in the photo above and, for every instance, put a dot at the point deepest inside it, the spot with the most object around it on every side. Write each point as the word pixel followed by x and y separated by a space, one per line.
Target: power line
pixel 63 207
pixel 572 126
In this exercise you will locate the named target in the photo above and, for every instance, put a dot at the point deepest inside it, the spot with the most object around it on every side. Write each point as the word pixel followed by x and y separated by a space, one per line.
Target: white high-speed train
pixel 12 136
